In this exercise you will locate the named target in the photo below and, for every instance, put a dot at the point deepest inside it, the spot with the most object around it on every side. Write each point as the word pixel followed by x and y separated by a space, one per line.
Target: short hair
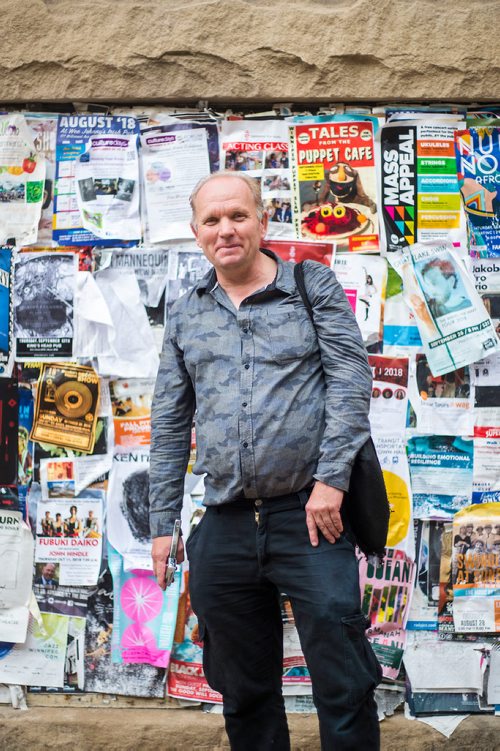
pixel 252 183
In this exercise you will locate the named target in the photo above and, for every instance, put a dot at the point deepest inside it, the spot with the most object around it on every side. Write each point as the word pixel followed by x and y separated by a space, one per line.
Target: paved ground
pixel 138 729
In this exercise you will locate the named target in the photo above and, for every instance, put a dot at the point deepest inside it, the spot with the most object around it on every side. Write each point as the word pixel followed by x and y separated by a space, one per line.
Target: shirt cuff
pixel 335 475
pixel 161 523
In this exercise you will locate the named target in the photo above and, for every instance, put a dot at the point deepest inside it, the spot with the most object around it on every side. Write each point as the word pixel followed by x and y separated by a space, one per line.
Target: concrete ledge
pixel 88 729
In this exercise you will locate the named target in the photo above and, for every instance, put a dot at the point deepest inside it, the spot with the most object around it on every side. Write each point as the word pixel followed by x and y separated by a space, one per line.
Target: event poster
pixel 43 126
pixel 73 134
pixel 173 163
pixel 401 334
pixel 69 541
pixel 107 176
pixel 9 424
pixel 260 149
pixel 299 250
pixel 391 452
pixel 44 289
pixel 389 400
pixel 386 590
pixel 335 193
pixel 40 660
pixel 186 266
pixel 478 168
pixel 66 406
pixel 22 179
pixel 6 309
pixel 420 200
pixel 144 616
pixel 16 556
pixel 486 476
pixel 131 405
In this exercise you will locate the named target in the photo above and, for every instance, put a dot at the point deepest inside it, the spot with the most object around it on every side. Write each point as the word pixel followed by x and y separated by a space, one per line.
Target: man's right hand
pixel 159 554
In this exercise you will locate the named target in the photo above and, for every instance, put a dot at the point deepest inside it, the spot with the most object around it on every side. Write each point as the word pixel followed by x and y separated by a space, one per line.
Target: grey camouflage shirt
pixel 277 403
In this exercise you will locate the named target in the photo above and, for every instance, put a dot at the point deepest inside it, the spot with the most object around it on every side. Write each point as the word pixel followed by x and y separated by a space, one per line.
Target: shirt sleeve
pixel 171 420
pixel 347 375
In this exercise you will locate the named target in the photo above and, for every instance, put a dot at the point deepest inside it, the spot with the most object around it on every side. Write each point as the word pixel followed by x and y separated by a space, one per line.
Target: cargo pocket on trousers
pixel 363 671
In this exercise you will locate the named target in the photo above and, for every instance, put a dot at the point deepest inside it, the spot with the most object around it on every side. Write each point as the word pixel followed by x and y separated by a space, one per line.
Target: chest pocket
pixel 291 335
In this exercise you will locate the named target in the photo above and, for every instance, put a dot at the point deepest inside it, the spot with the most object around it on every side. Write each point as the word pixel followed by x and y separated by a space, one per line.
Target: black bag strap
pixel 298 273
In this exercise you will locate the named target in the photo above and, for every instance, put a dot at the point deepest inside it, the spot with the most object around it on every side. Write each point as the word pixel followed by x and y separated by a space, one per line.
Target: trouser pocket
pixel 363 670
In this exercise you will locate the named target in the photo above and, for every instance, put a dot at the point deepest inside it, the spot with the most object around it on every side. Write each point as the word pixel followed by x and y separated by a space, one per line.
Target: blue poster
pixel 6 311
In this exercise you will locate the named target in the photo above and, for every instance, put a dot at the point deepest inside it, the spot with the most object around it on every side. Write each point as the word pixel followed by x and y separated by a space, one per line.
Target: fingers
pixel 160 572
pixel 313 530
pixel 327 521
pixel 180 551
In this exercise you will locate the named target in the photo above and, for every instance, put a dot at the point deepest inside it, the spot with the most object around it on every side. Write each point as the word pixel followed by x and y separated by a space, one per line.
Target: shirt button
pixel 258 502
pixel 247 365
pixel 245 445
pixel 244 404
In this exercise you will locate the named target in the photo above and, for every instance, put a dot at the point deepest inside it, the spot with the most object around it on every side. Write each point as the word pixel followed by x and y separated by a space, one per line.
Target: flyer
pixel 389 649
pixel 334 180
pixel 441 475
pixel 423 614
pixel 478 167
pixel 22 180
pixel 260 149
pixel 172 163
pixel 6 310
pixel 131 404
pixel 41 658
pixel 186 266
pixel 419 195
pixel 128 508
pixel 391 452
pixel 455 327
pixel 442 404
pixel 16 560
pixel 300 250
pixel 486 475
pixel 9 419
pixel 25 447
pixel 66 406
pixel 476 569
pixel 389 400
pixel 107 176
pixel 73 135
pixel 43 127
pixel 401 334
pixel 386 590
pixel 44 289
pixel 69 541
pixel 144 616
pixel 73 660
pixel 363 279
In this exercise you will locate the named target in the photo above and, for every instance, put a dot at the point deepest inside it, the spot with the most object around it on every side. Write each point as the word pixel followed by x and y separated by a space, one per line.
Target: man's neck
pixel 243 282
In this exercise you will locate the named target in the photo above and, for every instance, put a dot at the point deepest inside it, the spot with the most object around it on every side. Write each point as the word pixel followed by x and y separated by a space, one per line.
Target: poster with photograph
pixel 299 250
pixel 420 200
pixel 41 658
pixel 22 179
pixel 73 134
pixel 442 404
pixel 186 266
pixel 69 542
pixel 478 168
pixel 172 164
pixel 128 508
pixel 66 406
pixel 131 405
pixel 44 289
pixel 144 616
pixel 333 168
pixel 6 310
pixel 43 127
pixel 364 279
pixel 389 400
pixel 455 327
pixel 260 149
pixel 401 334
pixel 441 474
pixel 107 178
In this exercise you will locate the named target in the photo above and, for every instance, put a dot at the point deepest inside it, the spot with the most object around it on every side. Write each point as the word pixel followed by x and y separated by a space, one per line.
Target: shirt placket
pixel 247 453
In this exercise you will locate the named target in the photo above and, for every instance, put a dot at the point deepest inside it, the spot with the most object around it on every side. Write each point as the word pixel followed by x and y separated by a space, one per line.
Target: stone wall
pixel 249 50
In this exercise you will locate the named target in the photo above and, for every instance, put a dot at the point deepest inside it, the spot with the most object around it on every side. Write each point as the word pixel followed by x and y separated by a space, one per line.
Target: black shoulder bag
pixel 365 502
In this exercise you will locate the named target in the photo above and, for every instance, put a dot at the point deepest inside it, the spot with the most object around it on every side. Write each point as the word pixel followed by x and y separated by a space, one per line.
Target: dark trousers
pixel 238 568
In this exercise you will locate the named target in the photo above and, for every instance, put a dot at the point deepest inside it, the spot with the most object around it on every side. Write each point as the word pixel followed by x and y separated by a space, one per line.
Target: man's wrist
pixel 161 523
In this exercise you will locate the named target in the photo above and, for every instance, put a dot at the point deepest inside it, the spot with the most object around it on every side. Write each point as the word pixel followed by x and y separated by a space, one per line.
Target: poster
pixel 420 200
pixel 386 590
pixel 260 149
pixel 478 167
pixel 389 400
pixel 476 569
pixel 144 616
pixel 128 508
pixel 389 649
pixel 9 421
pixel 22 178
pixel 423 614
pixel 391 453
pixel 186 266
pixel 107 176
pixel 73 134
pixel 66 406
pixel 44 289
pixel 363 279
pixel 43 127
pixel 401 334
pixel 41 658
pixel 6 309
pixel 73 660
pixel 455 328
pixel 299 250
pixel 441 475
pixel 16 556
pixel 486 475
pixel 131 404
pixel 333 167
pixel 69 541
pixel 173 163
pixel 25 447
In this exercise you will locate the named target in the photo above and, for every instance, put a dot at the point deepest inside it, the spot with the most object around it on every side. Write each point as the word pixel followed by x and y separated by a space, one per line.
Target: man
pixel 281 414
pixel 47 579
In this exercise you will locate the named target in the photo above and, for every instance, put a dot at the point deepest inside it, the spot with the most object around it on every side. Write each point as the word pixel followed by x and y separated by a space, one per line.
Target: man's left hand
pixel 323 513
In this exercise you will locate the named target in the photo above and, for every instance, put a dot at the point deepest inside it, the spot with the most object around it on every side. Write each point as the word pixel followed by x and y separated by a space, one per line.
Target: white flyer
pixel 389 400
pixel 40 660
pixel 107 176
pixel 16 560
pixel 172 164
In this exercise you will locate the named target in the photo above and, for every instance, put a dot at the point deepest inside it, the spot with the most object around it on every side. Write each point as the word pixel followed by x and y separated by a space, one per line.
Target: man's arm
pixel 171 419
pixel 348 389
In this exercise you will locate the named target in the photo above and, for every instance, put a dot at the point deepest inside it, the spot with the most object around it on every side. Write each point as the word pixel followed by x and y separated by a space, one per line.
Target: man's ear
pixel 263 224
pixel 194 230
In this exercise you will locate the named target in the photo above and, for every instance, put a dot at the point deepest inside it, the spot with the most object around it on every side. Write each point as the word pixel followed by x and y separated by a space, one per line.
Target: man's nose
pixel 226 226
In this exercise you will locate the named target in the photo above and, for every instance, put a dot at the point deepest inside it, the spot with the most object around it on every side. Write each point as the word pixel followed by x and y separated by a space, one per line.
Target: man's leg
pixel 323 587
pixel 240 621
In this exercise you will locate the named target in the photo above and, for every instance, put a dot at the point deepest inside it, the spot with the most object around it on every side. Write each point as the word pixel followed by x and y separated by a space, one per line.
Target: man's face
pixel 228 229
pixel 48 571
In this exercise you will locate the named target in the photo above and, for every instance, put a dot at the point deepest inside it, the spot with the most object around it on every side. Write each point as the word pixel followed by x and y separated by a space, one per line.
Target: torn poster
pixel 6 310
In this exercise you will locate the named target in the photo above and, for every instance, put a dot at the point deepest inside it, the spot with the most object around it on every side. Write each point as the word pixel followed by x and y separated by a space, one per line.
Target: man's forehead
pixel 223 191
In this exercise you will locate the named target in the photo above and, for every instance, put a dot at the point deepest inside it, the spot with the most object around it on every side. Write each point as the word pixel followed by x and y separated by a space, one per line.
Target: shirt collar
pixel 283 281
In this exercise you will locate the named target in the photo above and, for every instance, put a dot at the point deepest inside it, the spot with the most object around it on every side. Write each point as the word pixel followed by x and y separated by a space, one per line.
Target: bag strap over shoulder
pixel 298 273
